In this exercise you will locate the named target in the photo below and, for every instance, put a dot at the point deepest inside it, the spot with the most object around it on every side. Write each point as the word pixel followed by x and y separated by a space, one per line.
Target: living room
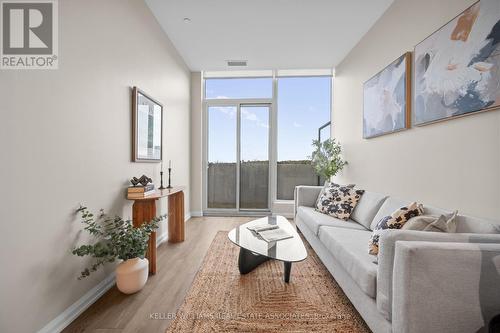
pixel 193 166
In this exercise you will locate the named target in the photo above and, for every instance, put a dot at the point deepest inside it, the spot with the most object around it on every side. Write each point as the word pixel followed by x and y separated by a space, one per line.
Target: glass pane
pixel 303 107
pixel 239 88
pixel 221 178
pixel 148 128
pixel 254 152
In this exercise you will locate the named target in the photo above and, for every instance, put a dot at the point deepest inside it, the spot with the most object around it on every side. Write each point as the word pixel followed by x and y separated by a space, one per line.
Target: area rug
pixel 222 300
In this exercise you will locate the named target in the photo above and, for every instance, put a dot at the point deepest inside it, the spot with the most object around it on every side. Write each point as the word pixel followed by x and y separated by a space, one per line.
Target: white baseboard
pixel 67 316
pixel 161 238
pixel 197 214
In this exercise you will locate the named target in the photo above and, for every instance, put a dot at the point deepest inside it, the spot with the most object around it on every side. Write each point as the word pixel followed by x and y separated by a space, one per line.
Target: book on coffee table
pixel 262 227
pixel 274 235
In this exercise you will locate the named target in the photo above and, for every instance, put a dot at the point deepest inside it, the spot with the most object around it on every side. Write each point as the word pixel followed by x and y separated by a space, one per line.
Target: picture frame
pixel 387 99
pixel 456 67
pixel 147 127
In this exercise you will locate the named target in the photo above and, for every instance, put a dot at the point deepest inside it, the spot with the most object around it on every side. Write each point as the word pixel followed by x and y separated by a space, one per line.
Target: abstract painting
pixel 457 68
pixel 386 99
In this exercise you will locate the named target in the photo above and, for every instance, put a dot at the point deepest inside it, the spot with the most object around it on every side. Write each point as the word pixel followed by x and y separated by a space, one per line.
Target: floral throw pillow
pixel 394 221
pixel 338 200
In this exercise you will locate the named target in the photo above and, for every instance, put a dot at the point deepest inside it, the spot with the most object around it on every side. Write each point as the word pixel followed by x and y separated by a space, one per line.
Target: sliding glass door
pixel 254 157
pixel 238 166
pixel 222 157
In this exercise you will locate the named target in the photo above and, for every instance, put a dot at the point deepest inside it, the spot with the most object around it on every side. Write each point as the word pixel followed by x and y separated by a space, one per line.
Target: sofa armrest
pixel 306 196
pixel 445 287
pixel 387 245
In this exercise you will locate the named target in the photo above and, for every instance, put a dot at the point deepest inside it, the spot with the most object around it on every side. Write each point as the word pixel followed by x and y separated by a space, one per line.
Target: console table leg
pixel 176 217
pixel 145 211
pixel 288 269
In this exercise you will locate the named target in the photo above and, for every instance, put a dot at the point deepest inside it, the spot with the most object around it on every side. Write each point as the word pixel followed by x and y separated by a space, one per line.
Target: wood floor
pixel 164 293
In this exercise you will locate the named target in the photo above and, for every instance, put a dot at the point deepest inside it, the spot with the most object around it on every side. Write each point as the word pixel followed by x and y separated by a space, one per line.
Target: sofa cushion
pixel 367 207
pixel 434 223
pixel 430 210
pixel 476 225
pixel 326 187
pixel 338 200
pixel 466 224
pixel 394 221
pixel 348 246
pixel 389 206
pixel 314 219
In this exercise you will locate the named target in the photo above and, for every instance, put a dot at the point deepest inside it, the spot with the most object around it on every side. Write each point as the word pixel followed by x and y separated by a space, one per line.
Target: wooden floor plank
pixel 164 292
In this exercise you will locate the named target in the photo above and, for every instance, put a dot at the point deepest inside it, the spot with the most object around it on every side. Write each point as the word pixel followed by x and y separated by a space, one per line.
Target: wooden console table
pixel 144 210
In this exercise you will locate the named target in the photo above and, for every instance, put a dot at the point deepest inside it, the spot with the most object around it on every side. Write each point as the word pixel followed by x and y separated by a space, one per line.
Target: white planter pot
pixel 131 275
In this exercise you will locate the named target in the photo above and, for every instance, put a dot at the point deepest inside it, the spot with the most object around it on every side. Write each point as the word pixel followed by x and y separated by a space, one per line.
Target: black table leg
pixel 247 261
pixel 288 269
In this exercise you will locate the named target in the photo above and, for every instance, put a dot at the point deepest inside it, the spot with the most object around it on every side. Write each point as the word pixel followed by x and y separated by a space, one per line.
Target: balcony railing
pixel 254 182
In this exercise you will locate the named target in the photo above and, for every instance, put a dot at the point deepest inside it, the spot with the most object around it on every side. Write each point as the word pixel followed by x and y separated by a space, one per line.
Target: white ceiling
pixel 270 34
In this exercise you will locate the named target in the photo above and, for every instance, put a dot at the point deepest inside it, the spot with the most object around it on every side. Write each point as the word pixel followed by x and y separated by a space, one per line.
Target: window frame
pixel 295 74
pixel 275 205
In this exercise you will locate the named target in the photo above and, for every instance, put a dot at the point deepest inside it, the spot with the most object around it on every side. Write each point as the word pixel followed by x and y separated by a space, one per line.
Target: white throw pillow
pixel 394 221
pixel 441 223
pixel 338 200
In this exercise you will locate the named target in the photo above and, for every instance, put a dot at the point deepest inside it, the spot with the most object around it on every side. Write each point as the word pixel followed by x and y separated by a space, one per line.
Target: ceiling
pixel 269 34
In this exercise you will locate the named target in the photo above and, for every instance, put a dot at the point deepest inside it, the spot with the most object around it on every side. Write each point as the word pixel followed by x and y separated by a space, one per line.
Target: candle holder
pixel 161 181
pixel 169 174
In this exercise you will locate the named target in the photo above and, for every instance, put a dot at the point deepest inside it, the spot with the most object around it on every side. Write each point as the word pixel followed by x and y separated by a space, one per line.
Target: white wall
pixel 196 144
pixel 66 139
pixel 453 164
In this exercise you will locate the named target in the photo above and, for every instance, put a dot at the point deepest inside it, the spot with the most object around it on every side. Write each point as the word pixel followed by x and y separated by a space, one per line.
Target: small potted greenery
pixel 117 239
pixel 327 158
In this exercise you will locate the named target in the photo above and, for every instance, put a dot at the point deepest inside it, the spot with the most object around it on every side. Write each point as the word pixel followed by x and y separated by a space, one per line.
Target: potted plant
pixel 326 158
pixel 117 239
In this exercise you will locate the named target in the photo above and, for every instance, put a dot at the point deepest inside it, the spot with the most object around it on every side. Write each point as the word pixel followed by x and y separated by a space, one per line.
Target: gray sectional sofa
pixel 420 281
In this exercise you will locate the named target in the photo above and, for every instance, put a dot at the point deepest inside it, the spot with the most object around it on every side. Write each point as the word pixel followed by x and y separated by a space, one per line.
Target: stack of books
pixel 139 192
pixel 270 232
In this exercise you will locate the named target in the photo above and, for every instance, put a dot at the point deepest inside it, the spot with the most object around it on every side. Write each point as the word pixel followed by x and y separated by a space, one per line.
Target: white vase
pixel 131 275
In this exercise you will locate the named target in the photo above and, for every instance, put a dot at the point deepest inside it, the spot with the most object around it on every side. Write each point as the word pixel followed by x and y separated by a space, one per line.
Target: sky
pixel 303 107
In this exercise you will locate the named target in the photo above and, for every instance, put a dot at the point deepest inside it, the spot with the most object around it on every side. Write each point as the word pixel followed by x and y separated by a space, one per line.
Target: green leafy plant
pixel 115 239
pixel 326 158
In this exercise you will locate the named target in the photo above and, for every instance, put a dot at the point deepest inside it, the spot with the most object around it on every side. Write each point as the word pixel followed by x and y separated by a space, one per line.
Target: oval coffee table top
pixel 289 250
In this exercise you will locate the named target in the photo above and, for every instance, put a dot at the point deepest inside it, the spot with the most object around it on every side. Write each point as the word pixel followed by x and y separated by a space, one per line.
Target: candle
pixel 169 164
pixel 161 166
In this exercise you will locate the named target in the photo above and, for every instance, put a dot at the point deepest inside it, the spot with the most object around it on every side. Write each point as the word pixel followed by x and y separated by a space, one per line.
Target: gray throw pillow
pixel 442 223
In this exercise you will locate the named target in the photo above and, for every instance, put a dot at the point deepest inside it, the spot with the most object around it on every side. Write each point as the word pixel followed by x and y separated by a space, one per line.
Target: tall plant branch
pixel 326 158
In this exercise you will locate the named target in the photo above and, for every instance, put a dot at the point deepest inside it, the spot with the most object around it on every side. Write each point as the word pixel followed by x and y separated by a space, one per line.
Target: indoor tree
pixel 326 158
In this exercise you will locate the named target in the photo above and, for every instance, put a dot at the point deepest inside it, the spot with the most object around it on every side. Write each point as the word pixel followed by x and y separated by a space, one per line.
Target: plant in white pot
pixel 117 239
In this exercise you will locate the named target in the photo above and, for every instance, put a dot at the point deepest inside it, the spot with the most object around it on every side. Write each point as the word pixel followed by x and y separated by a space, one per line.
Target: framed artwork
pixel 457 68
pixel 386 99
pixel 147 120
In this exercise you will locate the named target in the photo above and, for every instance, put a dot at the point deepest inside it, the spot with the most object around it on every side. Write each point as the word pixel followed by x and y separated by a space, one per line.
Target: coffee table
pixel 254 250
